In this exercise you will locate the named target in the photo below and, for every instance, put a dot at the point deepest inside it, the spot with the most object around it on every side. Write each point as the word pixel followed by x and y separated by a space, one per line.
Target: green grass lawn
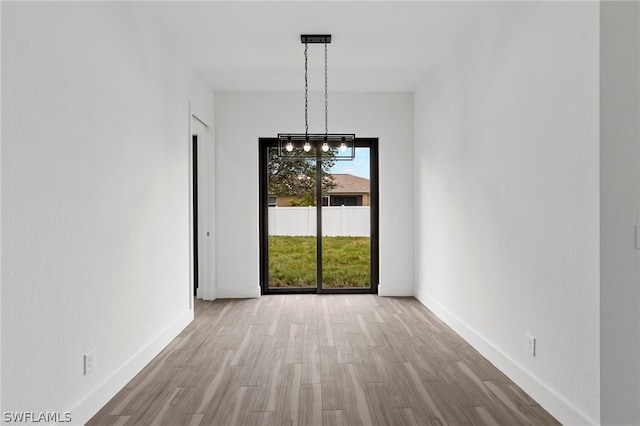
pixel 292 261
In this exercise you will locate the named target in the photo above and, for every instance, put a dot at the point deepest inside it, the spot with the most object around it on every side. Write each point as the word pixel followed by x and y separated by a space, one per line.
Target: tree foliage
pixel 297 177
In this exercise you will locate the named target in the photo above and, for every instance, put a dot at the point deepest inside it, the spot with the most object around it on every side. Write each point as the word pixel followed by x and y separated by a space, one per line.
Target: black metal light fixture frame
pixel 336 146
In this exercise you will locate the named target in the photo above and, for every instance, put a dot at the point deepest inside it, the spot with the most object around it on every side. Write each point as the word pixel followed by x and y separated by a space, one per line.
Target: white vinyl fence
pixel 336 221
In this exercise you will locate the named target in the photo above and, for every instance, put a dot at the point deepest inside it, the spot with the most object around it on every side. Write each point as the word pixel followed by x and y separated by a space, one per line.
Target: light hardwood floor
pixel 320 360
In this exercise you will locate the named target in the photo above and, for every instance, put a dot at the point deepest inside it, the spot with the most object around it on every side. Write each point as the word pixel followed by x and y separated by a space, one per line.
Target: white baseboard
pixel 395 290
pixel 94 401
pixel 206 294
pixel 237 292
pixel 565 412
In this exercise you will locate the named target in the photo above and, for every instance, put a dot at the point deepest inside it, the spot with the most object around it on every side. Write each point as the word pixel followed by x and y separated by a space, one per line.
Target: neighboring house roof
pixel 349 184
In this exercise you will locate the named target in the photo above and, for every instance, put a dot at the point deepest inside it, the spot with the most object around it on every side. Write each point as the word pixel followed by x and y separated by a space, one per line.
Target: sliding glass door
pixel 319 221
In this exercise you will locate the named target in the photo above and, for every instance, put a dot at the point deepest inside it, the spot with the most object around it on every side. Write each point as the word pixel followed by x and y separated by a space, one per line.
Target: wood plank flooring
pixel 320 360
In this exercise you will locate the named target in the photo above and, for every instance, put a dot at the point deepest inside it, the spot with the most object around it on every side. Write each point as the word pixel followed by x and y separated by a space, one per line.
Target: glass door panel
pixel 292 242
pixel 346 224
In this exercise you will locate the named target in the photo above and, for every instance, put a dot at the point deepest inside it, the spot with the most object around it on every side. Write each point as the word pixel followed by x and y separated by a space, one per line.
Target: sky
pixel 359 166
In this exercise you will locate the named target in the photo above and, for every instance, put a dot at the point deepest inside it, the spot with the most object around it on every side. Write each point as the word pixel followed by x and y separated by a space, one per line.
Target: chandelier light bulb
pixel 307 147
pixel 325 147
pixel 289 147
pixel 343 147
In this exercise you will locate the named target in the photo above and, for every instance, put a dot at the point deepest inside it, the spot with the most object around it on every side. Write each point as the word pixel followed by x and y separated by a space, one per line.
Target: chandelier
pixel 336 146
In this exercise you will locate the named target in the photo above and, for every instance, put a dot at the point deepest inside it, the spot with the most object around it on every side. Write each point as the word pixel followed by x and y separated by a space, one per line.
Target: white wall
pixel 243 117
pixel 507 199
pixel 620 212
pixel 1 279
pixel 95 201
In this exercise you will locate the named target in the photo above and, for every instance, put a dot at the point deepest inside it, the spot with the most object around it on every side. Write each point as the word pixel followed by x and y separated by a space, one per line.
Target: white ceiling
pixel 376 46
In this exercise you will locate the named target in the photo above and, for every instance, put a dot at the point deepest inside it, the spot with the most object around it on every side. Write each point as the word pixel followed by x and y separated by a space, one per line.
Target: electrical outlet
pixel 531 345
pixel 89 362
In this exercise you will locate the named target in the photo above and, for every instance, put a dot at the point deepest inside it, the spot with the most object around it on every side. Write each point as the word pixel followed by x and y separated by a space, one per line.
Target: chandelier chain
pixel 306 91
pixel 326 93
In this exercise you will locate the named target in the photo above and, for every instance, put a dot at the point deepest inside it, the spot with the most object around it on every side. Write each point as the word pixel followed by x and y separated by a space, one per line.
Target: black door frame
pixel 263 158
pixel 194 177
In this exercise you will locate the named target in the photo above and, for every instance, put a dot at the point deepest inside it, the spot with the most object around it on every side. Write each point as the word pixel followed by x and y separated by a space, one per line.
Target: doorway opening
pixel 319 221
pixel 200 207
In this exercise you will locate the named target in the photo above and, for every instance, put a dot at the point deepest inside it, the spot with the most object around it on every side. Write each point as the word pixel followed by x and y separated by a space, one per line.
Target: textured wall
pixel 620 211
pixel 507 214
pixel 95 201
